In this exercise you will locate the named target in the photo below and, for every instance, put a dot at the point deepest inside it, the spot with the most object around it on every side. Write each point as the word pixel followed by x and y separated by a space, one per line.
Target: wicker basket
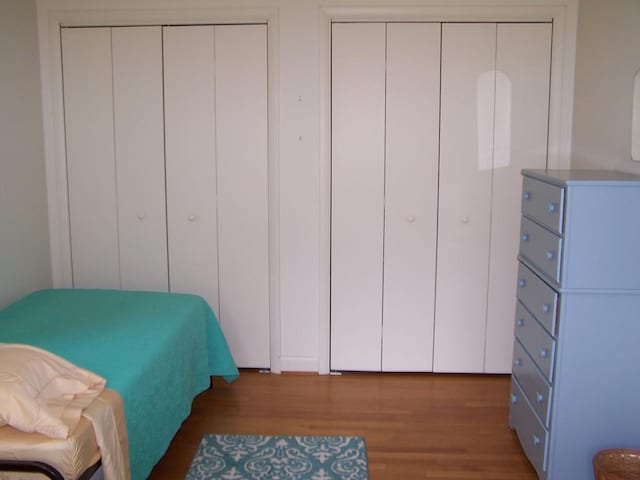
pixel 617 464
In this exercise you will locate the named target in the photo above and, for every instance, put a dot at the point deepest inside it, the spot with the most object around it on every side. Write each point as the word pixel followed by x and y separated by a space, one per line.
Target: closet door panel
pixel 522 110
pixel 357 203
pixel 91 177
pixel 468 77
pixel 411 195
pixel 189 77
pixel 242 185
pixel 139 153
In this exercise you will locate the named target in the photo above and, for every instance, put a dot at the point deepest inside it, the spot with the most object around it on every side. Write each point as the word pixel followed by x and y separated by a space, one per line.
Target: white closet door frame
pixel 52 16
pixel 564 16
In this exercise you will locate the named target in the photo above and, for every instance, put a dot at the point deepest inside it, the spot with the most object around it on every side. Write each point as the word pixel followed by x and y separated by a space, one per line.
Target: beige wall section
pixel 606 62
pixel 25 263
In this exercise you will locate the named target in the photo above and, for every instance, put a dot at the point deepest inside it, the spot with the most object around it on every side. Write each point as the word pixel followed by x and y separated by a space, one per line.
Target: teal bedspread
pixel 157 350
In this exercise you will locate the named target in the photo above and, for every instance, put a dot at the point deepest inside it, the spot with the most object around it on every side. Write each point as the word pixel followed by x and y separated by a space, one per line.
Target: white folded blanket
pixel 41 392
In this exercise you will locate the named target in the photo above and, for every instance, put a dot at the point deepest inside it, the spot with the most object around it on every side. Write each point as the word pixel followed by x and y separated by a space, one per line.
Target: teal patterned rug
pixel 264 457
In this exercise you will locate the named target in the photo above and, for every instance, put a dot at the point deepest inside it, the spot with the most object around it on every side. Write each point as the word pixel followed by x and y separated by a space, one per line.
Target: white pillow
pixel 41 392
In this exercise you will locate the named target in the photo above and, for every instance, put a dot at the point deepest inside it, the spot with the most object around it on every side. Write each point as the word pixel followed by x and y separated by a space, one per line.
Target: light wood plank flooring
pixel 424 426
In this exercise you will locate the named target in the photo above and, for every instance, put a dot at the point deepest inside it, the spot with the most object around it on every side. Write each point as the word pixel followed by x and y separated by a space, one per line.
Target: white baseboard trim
pixel 299 364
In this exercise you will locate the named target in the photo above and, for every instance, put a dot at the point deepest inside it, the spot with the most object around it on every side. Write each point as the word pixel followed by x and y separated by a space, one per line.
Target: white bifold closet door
pixel 115 156
pixel 411 195
pixel 385 91
pixel 464 217
pixel 357 194
pixel 431 126
pixel 520 141
pixel 193 218
pixel 243 195
pixel 190 139
pixel 217 177
pixel 494 116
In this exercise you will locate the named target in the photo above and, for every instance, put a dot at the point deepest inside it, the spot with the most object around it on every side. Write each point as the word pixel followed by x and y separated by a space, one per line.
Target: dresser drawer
pixel 539 298
pixel 532 382
pixel 541 247
pixel 544 203
pixel 536 340
pixel 533 436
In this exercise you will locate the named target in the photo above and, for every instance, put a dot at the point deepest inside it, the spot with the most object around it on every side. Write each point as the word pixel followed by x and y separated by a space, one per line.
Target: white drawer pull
pixel 525 237
pixel 539 397
pixel 553 207
pixel 551 255
pixel 526 195
pixel 546 308
pixel 536 440
pixel 192 218
pixel 411 219
pixel 520 322
pixel 514 398
pixel 544 353
pixel 140 215
pixel 522 283
pixel 517 362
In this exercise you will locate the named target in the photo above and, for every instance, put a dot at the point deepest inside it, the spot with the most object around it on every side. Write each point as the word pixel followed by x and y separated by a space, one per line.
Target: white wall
pixel 299 183
pixel 607 59
pixel 25 263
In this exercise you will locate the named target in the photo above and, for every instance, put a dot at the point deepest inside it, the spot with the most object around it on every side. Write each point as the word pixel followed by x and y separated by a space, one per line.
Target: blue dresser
pixel 575 386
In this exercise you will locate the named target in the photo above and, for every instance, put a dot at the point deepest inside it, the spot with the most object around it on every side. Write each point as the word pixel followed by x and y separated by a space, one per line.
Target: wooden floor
pixel 435 426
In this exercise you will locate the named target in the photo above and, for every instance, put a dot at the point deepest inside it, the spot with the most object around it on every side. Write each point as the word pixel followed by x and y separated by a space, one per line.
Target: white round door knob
pixel 192 218
pixel 411 219
pixel 464 220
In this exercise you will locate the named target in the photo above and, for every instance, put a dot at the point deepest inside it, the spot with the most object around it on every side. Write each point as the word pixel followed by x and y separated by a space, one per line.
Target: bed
pixel 156 350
